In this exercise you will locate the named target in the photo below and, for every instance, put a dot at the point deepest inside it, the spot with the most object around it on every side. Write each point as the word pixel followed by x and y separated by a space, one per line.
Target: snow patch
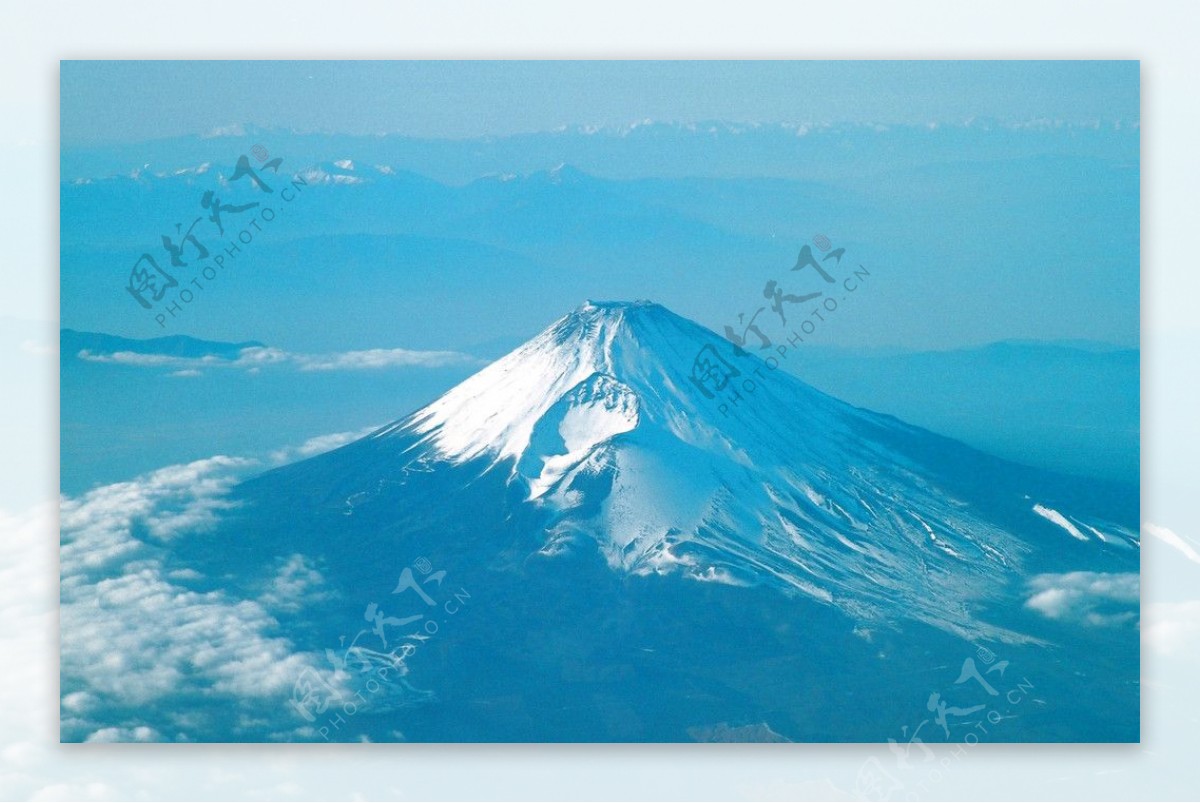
pixel 1055 517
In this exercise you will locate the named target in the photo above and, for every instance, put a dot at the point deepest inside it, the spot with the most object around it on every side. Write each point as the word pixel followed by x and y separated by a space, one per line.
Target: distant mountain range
pixel 1068 406
pixel 934 212
pixel 643 148
pixel 72 342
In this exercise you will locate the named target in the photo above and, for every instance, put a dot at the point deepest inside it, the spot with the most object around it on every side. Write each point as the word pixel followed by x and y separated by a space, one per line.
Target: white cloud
pixel 69 791
pixel 27 633
pixel 381 358
pixel 1090 598
pixel 1170 628
pixel 138 734
pixel 320 444
pixel 37 348
pixel 256 357
pixel 128 358
pixel 148 651
pixel 137 638
pixel 166 501
pixel 1173 539
pixel 136 646
pixel 297 583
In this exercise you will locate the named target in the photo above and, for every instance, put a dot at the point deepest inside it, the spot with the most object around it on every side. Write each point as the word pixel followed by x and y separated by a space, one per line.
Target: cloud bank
pixel 1090 598
pixel 257 357
pixel 1173 539
pixel 143 643
pixel 155 651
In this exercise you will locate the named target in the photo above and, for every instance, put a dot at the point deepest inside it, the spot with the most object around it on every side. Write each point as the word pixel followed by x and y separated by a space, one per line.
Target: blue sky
pixel 979 233
pixel 140 100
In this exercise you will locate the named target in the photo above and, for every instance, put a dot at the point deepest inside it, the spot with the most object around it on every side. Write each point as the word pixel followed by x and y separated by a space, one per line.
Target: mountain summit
pixel 601 424
pixel 664 535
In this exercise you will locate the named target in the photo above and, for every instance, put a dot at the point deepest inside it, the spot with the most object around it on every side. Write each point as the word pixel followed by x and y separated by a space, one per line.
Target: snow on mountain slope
pixel 598 423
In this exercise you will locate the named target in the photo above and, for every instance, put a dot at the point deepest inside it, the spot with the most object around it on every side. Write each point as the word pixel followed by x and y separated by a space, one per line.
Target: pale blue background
pixel 30 762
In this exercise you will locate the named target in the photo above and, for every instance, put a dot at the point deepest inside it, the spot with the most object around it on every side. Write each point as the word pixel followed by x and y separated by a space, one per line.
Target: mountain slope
pixel 598 422
pixel 645 560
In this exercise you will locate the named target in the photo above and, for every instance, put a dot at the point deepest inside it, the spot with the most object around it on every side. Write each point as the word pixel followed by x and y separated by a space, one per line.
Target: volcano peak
pixel 591 304
pixel 599 422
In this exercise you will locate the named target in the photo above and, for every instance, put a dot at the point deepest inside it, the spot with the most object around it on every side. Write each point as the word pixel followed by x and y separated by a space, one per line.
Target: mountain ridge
pixel 595 425
pixel 639 567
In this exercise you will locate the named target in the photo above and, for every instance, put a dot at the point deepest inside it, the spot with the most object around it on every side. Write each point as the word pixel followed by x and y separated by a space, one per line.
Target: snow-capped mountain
pixel 639 533
pixel 598 423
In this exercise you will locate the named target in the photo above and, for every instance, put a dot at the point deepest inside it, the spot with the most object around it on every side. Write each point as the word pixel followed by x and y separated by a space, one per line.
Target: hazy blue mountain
pixel 716 149
pixel 1072 407
pixel 97 343
pixel 442 266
